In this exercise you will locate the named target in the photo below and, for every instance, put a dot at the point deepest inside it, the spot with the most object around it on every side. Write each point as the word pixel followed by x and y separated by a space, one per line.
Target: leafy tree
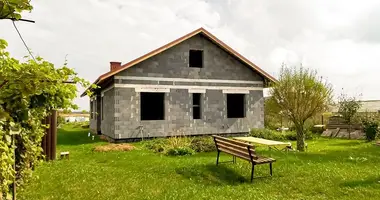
pixel 348 108
pixel 301 95
pixel 28 92
pixel 10 9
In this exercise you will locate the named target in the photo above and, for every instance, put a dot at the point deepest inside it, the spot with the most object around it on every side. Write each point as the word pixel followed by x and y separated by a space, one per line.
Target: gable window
pixel 235 106
pixel 196 58
pixel 197 106
pixel 152 106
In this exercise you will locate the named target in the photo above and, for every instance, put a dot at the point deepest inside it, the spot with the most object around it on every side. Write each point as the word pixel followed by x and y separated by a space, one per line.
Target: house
pixel 75 116
pixel 366 106
pixel 194 85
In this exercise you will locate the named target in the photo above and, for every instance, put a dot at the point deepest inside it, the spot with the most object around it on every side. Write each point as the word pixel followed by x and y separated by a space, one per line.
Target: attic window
pixel 196 58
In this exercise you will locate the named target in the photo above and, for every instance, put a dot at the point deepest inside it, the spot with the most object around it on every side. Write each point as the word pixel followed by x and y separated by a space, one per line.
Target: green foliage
pixel 180 145
pixel 300 94
pixel 348 107
pixel 203 144
pixel 371 128
pixel 13 8
pixel 156 145
pixel 179 151
pixel 28 92
pixel 277 135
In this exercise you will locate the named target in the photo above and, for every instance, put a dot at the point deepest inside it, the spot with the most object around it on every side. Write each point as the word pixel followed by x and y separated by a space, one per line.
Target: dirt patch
pixel 114 147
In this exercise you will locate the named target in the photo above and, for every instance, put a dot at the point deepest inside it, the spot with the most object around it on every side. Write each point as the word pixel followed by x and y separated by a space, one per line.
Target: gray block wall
pixel 179 118
pixel 123 104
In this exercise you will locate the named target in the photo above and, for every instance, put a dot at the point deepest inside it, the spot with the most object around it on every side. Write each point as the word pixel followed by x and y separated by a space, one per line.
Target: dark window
pixel 235 106
pixel 152 106
pixel 196 106
pixel 102 108
pixel 196 58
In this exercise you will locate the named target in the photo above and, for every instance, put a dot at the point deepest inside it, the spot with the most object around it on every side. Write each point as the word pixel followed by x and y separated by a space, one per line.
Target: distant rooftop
pixel 367 106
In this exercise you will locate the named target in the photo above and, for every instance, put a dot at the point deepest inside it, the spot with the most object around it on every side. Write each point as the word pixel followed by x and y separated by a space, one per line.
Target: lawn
pixel 331 169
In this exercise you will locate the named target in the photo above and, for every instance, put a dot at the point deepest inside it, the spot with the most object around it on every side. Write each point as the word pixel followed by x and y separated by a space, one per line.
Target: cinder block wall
pixel 173 63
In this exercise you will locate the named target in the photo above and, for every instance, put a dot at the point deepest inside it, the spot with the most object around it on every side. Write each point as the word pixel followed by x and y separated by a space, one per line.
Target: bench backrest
pixel 240 149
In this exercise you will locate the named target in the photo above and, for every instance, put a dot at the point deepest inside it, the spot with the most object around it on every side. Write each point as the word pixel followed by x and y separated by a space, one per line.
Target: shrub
pixel 156 145
pixel 178 146
pixel 203 144
pixel 317 130
pixel 277 135
pixel 179 151
pixel 267 134
pixel 370 128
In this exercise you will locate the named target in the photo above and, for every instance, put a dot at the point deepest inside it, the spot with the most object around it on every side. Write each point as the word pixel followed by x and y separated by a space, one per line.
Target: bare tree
pixel 301 94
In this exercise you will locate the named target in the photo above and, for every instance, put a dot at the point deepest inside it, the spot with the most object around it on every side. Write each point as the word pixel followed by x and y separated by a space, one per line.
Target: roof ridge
pixel 177 41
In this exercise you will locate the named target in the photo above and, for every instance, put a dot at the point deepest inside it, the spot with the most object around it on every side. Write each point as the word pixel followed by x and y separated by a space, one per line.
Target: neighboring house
pixel 370 106
pixel 75 116
pixel 194 85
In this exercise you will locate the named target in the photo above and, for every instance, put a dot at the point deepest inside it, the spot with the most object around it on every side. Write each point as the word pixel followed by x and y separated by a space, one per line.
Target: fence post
pixel 53 132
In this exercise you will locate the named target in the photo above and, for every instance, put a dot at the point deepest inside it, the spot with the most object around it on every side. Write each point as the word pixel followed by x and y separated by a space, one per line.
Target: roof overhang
pixel 267 77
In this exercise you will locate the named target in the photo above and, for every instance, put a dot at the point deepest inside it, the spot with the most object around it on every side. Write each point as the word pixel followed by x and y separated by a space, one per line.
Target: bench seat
pixel 242 150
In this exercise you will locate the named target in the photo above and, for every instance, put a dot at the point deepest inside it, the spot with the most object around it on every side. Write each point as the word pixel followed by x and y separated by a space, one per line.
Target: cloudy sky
pixel 341 40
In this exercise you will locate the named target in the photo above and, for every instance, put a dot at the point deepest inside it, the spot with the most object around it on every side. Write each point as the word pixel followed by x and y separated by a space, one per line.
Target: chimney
pixel 115 66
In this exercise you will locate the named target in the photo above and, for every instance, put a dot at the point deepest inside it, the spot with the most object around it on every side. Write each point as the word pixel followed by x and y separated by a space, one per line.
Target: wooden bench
pixel 242 150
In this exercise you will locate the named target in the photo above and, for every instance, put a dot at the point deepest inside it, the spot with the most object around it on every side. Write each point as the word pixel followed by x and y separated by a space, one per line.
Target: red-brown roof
pixel 177 41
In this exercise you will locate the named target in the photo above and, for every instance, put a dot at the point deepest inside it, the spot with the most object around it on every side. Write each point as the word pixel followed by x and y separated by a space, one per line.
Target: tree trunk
pixel 300 139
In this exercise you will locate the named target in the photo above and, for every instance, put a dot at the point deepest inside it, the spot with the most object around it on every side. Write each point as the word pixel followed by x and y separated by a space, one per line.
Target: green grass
pixel 331 169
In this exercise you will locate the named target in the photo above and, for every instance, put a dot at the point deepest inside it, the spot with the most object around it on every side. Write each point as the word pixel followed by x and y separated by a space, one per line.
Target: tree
pixel 10 9
pixel 300 94
pixel 348 107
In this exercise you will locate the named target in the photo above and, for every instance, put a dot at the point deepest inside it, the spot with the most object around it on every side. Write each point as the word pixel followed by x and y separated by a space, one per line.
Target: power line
pixel 19 34
pixel 23 41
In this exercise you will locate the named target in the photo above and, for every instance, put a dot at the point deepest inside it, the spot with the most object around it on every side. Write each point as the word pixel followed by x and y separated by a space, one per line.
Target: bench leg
pixel 217 158
pixel 252 172
pixel 271 170
pixel 233 159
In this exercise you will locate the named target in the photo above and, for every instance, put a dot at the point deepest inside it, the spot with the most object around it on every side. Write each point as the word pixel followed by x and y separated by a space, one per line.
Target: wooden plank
pixel 234 141
pixel 234 150
pixel 227 143
pixel 53 130
pixel 242 156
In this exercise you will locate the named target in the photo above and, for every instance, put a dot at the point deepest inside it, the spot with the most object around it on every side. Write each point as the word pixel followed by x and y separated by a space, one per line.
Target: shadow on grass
pixel 212 174
pixel 368 182
pixel 74 137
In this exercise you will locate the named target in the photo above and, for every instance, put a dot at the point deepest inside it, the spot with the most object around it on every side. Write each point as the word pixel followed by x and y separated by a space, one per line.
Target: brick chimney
pixel 115 66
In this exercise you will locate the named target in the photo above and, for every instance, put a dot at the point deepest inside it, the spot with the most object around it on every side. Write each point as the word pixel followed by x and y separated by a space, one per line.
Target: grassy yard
pixel 331 169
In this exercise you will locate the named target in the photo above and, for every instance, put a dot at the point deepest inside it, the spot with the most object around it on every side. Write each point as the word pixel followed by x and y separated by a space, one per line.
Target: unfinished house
pixel 195 85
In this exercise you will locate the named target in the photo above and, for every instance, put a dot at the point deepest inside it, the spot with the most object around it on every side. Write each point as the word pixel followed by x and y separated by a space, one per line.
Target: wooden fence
pixel 49 141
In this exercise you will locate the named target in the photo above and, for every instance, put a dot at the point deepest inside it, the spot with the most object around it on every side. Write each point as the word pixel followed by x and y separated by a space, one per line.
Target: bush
pixel 179 151
pixel 178 146
pixel 203 144
pixel 277 135
pixel 156 145
pixel 371 128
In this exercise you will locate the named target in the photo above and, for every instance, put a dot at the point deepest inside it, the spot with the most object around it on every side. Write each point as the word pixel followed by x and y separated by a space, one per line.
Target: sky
pixel 340 39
